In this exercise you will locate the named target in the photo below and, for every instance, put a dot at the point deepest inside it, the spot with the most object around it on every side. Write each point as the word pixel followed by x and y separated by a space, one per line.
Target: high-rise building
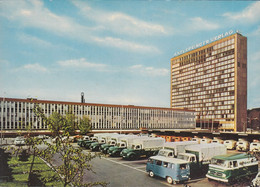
pixel 212 80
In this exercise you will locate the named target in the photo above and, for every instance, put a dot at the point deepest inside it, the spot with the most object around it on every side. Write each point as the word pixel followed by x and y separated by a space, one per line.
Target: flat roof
pixel 232 156
pixel 31 100
pixel 169 159
pixel 206 45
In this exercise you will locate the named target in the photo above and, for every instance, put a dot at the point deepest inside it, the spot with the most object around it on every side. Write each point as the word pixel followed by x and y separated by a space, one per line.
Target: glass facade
pixel 205 79
pixel 18 113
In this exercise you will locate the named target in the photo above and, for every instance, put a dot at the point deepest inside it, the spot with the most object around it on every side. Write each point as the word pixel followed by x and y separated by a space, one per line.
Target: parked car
pixel 19 140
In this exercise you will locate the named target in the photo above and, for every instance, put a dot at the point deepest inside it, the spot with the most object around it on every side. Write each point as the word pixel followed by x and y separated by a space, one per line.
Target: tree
pixel 84 125
pixel 73 160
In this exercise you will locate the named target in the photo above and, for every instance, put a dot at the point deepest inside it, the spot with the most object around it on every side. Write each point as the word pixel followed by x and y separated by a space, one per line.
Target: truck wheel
pixel 169 180
pixel 131 157
pixel 151 174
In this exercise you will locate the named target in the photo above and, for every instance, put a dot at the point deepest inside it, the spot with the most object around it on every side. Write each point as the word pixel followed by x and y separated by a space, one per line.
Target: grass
pixel 20 172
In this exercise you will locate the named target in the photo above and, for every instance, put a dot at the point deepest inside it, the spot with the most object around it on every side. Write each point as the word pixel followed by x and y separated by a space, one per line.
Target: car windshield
pixel 163 153
pixel 218 162
pixel 183 157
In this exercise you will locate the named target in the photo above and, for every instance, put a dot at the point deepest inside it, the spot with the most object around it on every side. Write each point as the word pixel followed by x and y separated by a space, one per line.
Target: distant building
pixel 212 80
pixel 17 113
pixel 253 119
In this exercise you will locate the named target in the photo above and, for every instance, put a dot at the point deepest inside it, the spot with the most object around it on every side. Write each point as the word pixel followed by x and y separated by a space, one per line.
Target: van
pixel 242 145
pixel 230 168
pixel 196 139
pixel 173 169
pixel 230 144
pixel 205 140
pixel 255 147
pixel 217 141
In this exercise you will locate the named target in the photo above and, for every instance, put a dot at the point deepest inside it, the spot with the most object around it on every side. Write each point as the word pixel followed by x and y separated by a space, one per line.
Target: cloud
pixel 119 22
pixel 82 63
pixel 151 71
pixel 34 40
pixel 249 14
pixel 33 14
pixel 37 68
pixel 127 45
pixel 200 24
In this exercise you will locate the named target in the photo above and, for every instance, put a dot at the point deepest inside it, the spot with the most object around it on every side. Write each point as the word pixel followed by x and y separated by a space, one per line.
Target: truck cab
pixel 166 153
pixel 230 144
pixel 242 145
pixel 195 165
pixel 95 146
pixel 255 146
pixel 104 147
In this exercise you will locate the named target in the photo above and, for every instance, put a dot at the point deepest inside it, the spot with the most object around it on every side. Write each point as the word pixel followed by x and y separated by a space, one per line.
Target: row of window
pixel 101 117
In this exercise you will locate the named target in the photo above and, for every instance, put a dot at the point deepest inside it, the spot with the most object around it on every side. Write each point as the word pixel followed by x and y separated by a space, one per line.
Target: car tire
pixel 151 174
pixel 169 180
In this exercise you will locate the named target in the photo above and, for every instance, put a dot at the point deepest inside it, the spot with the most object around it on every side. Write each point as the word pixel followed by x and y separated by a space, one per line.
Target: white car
pixel 256 180
pixel 19 140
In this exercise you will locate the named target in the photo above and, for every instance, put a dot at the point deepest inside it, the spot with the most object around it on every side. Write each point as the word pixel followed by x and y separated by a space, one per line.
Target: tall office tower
pixel 212 80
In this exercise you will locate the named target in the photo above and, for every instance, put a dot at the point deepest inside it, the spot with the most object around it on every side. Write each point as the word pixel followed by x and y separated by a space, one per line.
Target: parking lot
pixel 118 172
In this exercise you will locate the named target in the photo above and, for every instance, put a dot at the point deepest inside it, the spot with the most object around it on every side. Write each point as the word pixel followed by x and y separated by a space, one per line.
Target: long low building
pixel 18 113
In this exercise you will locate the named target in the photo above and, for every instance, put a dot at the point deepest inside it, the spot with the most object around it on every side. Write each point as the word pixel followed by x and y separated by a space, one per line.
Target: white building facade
pixel 18 113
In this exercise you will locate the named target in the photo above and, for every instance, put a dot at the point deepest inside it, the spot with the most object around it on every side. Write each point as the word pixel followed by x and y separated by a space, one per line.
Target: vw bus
pixel 255 147
pixel 242 145
pixel 173 169
pixel 230 167
pixel 230 144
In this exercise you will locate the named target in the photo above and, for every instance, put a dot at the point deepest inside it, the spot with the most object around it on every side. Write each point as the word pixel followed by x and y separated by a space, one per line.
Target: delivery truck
pixel 199 156
pixel 123 142
pixel 230 144
pixel 230 168
pixel 172 149
pixel 143 148
pixel 254 146
pixel 101 140
pixel 111 141
pixel 242 145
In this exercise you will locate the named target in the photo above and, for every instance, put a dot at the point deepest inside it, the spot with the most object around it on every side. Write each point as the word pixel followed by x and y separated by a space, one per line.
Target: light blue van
pixel 173 169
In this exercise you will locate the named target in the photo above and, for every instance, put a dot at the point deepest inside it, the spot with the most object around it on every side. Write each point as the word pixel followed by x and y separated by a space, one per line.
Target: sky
pixel 116 52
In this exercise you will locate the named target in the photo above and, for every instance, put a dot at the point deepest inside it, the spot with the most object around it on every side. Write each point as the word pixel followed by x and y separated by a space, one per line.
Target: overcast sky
pixel 116 52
